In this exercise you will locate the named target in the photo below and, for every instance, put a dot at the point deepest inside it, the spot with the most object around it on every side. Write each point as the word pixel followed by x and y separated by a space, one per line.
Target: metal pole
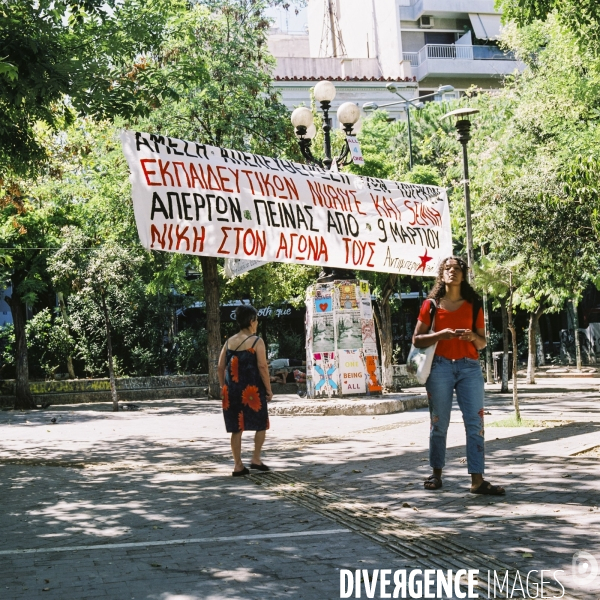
pixel 332 27
pixel 463 126
pixel 410 156
pixel 489 372
pixel 325 106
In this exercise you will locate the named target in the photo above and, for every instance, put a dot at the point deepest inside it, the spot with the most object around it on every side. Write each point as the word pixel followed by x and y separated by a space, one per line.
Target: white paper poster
pixel 341 345
pixel 355 151
pixel 352 371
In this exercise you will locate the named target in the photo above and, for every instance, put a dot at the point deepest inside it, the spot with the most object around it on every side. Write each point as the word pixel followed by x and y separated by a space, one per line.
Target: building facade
pixel 362 45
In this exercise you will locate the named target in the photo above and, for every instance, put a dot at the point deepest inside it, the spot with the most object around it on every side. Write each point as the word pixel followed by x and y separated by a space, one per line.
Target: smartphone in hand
pixel 460 331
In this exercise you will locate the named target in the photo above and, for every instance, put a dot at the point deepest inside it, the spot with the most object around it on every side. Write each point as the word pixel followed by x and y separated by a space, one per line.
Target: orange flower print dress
pixel 244 393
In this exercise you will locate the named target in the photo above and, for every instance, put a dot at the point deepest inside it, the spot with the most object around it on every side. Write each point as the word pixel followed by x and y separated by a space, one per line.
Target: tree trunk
pixel 489 368
pixel 24 398
pixel 65 316
pixel 550 333
pixel 539 343
pixel 535 340
pixel 111 369
pixel 504 386
pixel 576 331
pixel 210 277
pixel 383 320
pixel 531 356
pixel 513 332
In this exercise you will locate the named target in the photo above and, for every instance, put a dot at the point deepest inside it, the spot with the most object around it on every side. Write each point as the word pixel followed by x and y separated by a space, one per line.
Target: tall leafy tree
pixel 60 58
pixel 28 226
pixel 235 108
pixel 582 17
pixel 109 58
pixel 98 271
pixel 537 169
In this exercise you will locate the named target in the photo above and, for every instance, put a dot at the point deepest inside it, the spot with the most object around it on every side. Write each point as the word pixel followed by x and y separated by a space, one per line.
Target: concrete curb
pixel 359 406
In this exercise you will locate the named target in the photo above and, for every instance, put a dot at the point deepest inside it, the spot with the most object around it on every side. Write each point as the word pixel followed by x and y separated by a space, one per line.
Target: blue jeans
pixel 463 375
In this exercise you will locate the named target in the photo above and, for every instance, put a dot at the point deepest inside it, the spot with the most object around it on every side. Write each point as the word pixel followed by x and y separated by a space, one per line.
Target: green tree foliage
pixel 385 146
pixel 49 343
pixel 536 176
pixel 235 108
pixel 108 58
pixel 535 151
pixel 582 17
pixel 28 226
pixel 100 273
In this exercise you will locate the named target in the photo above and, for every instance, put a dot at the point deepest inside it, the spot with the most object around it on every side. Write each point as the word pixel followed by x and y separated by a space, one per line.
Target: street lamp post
pixel 463 127
pixel 302 119
pixel 408 104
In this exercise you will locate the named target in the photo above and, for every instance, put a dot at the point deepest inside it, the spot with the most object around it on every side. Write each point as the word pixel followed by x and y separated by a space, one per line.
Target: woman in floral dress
pixel 246 388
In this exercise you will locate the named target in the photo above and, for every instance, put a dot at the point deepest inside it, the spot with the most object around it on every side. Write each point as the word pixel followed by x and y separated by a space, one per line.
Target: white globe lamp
pixel 348 114
pixel 324 91
pixel 302 117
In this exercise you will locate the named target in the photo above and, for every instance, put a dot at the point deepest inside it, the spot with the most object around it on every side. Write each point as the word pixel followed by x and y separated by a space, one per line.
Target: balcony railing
pixel 457 52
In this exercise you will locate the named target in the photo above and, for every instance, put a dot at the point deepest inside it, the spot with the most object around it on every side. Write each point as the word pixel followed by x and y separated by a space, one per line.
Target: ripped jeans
pixel 463 375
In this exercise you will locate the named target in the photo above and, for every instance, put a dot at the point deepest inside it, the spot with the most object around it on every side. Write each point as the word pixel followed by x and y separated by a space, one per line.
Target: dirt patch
pixel 590 452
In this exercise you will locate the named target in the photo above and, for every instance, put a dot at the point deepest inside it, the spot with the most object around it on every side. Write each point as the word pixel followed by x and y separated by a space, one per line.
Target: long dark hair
pixel 439 288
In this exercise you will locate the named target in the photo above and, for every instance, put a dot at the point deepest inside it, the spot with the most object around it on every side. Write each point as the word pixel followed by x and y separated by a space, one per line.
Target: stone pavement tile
pixel 93 506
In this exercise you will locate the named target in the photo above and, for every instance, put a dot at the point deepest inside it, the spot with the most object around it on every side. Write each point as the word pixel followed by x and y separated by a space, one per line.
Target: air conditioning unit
pixel 426 22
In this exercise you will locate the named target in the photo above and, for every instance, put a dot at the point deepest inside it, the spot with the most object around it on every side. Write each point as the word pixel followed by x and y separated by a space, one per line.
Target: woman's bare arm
pixel 263 367
pixel 222 365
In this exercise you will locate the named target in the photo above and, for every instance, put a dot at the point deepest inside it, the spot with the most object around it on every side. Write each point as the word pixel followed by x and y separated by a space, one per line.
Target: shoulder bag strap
pixel 432 309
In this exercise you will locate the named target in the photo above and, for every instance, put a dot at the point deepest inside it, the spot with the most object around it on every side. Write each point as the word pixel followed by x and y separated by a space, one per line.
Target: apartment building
pixel 361 45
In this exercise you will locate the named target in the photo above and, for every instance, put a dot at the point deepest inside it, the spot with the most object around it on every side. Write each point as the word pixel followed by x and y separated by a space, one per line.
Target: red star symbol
pixel 424 260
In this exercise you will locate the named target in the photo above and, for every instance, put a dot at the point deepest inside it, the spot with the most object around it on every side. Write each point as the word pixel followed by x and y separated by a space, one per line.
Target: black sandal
pixel 487 489
pixel 241 473
pixel 433 480
pixel 263 468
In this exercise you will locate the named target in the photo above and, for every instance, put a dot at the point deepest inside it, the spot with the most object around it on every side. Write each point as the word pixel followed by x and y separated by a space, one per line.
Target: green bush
pixel 291 344
pixel 190 351
pixel 48 344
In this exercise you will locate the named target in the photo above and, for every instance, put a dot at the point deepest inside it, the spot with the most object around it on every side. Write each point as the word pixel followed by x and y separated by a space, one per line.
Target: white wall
pixel 281 45
pixel 369 28
pixel 387 21
pixel 356 22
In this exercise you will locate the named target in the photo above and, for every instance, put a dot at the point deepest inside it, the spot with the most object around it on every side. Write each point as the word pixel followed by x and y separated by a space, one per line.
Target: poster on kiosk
pixel 192 198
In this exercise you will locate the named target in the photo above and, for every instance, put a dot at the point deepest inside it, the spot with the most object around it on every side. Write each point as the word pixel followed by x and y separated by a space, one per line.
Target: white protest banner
pixel 197 199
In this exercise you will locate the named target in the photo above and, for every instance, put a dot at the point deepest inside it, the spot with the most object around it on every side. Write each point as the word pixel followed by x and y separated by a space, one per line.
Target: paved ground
pixel 141 504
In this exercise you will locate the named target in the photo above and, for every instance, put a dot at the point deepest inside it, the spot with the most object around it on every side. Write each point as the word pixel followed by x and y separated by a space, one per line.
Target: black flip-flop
pixel 487 489
pixel 435 480
pixel 241 473
pixel 262 468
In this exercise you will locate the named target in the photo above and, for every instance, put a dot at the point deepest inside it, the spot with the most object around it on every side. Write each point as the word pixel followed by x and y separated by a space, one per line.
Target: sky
pixel 287 21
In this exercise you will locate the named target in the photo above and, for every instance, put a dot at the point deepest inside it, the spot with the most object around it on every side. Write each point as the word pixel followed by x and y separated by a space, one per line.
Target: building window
pixel 439 38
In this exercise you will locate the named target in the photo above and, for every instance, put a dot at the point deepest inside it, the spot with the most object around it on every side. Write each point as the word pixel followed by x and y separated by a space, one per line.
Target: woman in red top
pixel 455 368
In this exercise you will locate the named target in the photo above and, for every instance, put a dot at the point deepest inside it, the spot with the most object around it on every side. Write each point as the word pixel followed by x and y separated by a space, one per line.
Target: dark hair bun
pixel 244 315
